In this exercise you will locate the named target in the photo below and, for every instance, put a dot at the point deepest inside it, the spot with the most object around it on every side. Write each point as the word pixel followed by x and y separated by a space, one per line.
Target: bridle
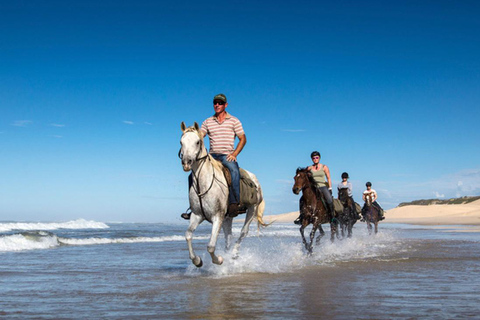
pixel 308 185
pixel 196 184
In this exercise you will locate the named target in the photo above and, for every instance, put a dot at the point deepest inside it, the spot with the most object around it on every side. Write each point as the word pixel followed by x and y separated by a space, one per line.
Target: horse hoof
pixel 197 262
pixel 219 260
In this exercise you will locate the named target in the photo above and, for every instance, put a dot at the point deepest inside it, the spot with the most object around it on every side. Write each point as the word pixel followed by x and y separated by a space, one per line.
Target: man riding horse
pixel 222 128
pixel 373 194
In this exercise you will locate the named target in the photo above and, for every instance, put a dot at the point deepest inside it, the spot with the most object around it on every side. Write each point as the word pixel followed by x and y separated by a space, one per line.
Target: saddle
pixel 248 189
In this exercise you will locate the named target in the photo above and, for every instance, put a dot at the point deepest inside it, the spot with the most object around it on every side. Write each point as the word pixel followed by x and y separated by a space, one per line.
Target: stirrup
pixel 232 210
pixel 186 215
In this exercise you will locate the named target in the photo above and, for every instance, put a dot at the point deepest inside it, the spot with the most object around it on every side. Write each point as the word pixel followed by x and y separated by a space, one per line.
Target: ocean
pixel 94 270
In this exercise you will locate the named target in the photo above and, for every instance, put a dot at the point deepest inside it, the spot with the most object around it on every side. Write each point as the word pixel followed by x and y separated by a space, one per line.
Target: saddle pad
pixel 248 189
pixel 358 207
pixel 337 205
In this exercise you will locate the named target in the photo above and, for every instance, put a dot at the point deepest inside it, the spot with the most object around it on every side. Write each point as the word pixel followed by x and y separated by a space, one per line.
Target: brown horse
pixel 370 213
pixel 347 218
pixel 312 209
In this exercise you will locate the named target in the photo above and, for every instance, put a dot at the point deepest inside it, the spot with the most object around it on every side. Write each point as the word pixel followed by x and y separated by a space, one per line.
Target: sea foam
pixel 46 240
pixel 74 224
pixel 21 242
pixel 276 252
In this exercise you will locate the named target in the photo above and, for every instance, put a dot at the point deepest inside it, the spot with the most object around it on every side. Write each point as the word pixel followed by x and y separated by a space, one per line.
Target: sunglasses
pixel 220 102
pixel 316 157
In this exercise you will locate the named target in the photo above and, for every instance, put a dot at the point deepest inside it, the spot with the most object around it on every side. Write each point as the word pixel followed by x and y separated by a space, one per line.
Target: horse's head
pixel 191 145
pixel 302 180
pixel 368 199
pixel 343 195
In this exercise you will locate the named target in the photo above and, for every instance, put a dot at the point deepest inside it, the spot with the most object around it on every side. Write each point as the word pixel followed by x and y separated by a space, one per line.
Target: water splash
pixel 281 251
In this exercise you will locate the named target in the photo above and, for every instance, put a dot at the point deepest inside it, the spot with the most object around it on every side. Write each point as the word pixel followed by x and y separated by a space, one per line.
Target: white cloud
pixel 458 184
pixel 57 125
pixel 22 123
pixel 57 136
pixel 128 122
pixel 148 123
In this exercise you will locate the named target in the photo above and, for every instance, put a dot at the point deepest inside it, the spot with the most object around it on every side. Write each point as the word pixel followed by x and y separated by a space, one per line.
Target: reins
pixel 196 184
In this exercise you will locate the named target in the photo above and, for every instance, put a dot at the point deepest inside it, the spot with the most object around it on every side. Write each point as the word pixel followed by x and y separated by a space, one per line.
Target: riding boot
pixel 331 209
pixel 355 213
pixel 299 219
pixel 381 215
pixel 232 210
pixel 186 215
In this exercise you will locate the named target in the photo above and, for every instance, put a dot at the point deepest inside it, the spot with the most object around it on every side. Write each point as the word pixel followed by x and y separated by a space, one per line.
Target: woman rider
pixel 345 184
pixel 321 176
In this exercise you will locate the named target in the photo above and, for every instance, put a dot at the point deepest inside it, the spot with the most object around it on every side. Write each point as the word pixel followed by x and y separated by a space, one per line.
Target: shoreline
pixel 431 215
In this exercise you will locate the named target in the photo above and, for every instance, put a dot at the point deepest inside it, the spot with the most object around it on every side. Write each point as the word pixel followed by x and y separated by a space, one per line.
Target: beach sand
pixel 443 214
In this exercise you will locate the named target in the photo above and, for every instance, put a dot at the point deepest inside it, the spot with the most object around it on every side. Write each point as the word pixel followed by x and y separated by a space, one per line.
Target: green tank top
pixel 319 178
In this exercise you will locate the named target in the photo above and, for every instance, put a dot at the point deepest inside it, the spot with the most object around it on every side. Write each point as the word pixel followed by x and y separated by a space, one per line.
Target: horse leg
pixel 333 230
pixel 369 227
pixel 227 231
pixel 350 227
pixel 302 229
pixel 251 214
pixel 320 236
pixel 340 232
pixel 195 220
pixel 376 227
pixel 216 225
pixel 312 236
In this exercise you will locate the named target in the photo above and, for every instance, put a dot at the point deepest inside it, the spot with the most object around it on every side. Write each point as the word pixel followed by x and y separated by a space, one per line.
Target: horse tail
pixel 260 210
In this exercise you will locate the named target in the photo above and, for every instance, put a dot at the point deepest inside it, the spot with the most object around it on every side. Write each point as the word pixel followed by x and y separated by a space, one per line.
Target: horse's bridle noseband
pixel 197 187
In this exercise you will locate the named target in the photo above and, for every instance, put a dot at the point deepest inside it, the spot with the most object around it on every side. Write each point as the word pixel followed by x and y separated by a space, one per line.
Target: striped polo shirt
pixel 222 135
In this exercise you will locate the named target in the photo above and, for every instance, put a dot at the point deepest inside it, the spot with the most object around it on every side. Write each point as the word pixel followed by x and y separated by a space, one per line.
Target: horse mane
pixel 310 179
pixel 217 164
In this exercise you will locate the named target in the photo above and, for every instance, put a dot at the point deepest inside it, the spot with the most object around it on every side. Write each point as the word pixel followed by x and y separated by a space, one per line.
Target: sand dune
pixel 462 214
pixel 444 214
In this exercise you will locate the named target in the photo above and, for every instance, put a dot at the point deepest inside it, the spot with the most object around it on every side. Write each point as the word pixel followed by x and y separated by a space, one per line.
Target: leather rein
pixel 196 184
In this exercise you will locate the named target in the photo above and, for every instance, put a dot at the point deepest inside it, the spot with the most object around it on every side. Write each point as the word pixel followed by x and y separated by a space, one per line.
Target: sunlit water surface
pixel 86 269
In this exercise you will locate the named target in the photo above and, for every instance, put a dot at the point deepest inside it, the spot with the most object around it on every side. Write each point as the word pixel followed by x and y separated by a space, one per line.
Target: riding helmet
pixel 315 153
pixel 368 184
pixel 344 175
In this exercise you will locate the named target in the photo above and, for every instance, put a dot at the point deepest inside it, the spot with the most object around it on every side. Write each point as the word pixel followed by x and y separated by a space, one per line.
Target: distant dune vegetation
pixel 462 200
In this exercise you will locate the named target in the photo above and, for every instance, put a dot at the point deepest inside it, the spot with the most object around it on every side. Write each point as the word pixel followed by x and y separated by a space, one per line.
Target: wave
pixel 93 241
pixel 28 241
pixel 74 224
pixel 46 240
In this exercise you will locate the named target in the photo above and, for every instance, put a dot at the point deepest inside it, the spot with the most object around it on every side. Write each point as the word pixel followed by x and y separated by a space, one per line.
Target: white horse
pixel 208 195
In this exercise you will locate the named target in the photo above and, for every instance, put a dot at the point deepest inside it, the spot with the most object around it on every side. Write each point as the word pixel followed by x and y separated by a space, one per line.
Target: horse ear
pixel 183 126
pixel 195 124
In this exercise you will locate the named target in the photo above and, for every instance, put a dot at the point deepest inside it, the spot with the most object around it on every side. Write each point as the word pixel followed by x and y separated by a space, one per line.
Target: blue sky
pixel 92 97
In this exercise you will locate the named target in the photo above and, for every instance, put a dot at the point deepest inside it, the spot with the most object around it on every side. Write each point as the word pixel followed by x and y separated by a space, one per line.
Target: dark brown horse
pixel 370 213
pixel 312 209
pixel 347 218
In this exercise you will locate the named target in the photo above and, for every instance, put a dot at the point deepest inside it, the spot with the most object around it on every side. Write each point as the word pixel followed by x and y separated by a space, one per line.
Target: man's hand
pixel 231 157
